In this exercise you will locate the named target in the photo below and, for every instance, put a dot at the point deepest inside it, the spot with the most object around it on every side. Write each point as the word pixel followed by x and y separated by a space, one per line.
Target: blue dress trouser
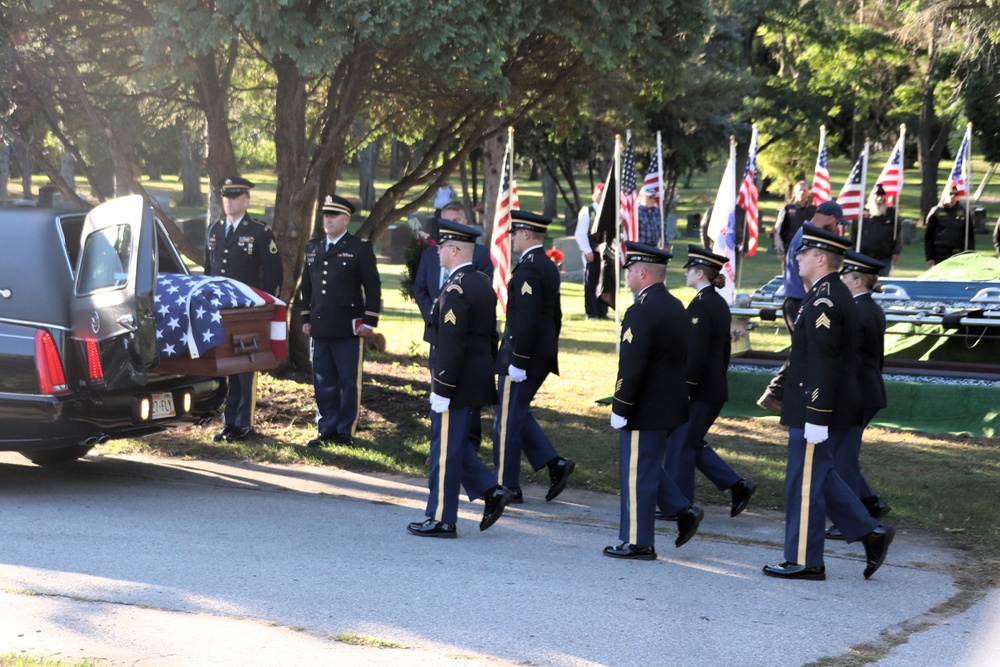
pixel 645 485
pixel 813 490
pixel 847 459
pixel 516 430
pixel 454 463
pixel 239 401
pixel 337 384
pixel 687 450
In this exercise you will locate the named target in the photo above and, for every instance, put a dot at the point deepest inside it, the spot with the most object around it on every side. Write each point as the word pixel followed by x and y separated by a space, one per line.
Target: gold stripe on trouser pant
pixel 442 464
pixel 253 399
pixel 361 364
pixel 807 475
pixel 633 491
pixel 502 445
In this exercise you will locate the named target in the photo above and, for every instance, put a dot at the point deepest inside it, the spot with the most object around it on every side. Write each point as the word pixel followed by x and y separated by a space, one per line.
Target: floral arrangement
pixel 556 256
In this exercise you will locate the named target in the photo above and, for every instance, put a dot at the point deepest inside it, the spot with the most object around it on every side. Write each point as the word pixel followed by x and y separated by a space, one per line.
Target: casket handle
pixel 245 344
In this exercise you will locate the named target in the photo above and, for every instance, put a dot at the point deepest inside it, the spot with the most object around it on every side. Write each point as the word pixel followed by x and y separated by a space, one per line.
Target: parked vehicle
pixel 78 358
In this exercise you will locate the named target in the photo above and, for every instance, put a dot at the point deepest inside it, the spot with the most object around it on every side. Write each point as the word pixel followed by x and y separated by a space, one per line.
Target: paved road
pixel 146 561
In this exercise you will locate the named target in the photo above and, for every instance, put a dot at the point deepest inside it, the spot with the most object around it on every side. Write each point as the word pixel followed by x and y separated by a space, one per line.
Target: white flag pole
pixel 663 190
pixel 862 195
pixel 618 236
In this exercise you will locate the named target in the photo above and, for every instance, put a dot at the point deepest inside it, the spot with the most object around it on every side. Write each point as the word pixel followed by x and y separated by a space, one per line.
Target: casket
pixel 247 346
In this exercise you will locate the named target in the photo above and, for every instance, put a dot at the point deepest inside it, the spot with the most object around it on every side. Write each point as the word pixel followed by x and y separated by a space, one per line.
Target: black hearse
pixel 78 351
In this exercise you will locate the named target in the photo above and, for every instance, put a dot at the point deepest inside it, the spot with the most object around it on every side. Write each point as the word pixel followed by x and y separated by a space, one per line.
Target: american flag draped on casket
pixel 207 317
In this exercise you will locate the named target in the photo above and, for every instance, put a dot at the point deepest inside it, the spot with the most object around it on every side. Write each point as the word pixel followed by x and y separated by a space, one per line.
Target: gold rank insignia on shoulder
pixel 273 248
pixel 525 289
pixel 627 336
pixel 822 321
pixel 823 302
pixel 449 317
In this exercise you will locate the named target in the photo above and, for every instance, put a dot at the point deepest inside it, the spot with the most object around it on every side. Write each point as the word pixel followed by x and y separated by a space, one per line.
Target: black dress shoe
pixel 630 552
pixel 239 433
pixel 559 476
pixel 877 508
pixel 833 533
pixel 318 441
pixel 343 439
pixel 792 571
pixel 742 490
pixel 687 524
pixel 877 547
pixel 432 528
pixel 496 500
pixel 223 432
pixel 517 497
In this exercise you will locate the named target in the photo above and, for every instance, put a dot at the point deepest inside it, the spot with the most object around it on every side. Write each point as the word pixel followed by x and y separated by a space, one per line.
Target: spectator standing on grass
pixel 790 218
pixel 947 230
pixel 243 249
pixel 591 244
pixel 649 217
pixel 881 237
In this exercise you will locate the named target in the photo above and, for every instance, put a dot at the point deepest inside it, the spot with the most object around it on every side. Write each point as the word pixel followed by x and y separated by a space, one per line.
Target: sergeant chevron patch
pixel 627 336
pixel 822 321
pixel 525 289
pixel 449 317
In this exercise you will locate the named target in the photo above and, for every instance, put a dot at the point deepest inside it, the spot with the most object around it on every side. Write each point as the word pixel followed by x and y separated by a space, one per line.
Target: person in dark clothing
pixel 791 217
pixel 881 236
pixel 949 232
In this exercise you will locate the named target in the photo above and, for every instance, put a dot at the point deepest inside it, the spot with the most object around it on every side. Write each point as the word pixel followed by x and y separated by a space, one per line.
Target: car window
pixel 105 260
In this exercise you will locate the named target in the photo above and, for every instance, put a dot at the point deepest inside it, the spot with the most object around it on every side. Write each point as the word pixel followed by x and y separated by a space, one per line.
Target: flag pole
pixel 967 165
pixel 663 191
pixel 902 170
pixel 618 237
pixel 862 194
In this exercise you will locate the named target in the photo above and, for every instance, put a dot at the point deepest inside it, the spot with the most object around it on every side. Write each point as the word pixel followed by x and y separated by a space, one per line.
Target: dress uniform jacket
pixel 871 332
pixel 427 282
pixel 710 347
pixel 534 317
pixel 249 256
pixel 340 284
pixel 650 391
pixel 822 385
pixel 946 233
pixel 465 332
pixel 880 235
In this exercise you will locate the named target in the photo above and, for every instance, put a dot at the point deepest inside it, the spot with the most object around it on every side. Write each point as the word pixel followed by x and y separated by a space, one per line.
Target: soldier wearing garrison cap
pixel 821 405
pixel 341 295
pixel 529 351
pixel 461 364
pixel 859 274
pixel 243 249
pixel 706 375
pixel 650 401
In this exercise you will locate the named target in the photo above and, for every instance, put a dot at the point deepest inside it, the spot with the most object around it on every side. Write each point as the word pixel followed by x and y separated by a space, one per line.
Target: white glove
pixel 816 434
pixel 439 404
pixel 617 421
pixel 516 374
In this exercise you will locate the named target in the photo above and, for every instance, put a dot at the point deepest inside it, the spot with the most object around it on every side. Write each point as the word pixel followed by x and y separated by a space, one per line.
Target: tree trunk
pixel 4 171
pixel 191 156
pixel 67 166
pixel 212 90
pixel 493 151
pixel 550 197
pixel 931 135
pixel 367 162
pixel 399 159
pixel 23 157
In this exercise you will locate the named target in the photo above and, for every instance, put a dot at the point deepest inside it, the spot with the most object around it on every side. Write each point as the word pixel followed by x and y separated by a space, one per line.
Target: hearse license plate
pixel 163 406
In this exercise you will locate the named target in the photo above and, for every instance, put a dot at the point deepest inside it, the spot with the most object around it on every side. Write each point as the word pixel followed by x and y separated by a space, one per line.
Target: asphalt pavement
pixel 155 561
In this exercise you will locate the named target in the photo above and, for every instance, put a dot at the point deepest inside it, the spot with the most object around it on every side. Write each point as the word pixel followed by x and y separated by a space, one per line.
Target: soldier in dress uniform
pixel 822 403
pixel 706 375
pixel 651 400
pixel 243 249
pixel 529 351
pixel 462 356
pixel 341 295
pixel 860 274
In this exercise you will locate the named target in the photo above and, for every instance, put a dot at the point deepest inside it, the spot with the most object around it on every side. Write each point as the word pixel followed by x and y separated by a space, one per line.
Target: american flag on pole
pixel 186 310
pixel 747 198
pixel 958 176
pixel 629 212
pixel 722 224
pixel 821 177
pixel 850 195
pixel 891 178
pixel 654 179
pixel 500 243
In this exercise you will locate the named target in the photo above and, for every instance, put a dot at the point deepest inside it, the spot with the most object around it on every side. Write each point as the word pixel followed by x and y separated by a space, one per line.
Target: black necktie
pixel 229 234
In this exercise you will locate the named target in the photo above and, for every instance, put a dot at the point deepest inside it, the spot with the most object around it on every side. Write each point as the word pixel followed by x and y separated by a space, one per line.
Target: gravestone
pixel 572 262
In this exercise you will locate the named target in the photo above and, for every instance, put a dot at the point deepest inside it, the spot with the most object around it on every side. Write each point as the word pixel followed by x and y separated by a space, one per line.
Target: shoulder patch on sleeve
pixel 449 317
pixel 627 335
pixel 823 302
pixel 454 287
pixel 822 321
pixel 525 289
